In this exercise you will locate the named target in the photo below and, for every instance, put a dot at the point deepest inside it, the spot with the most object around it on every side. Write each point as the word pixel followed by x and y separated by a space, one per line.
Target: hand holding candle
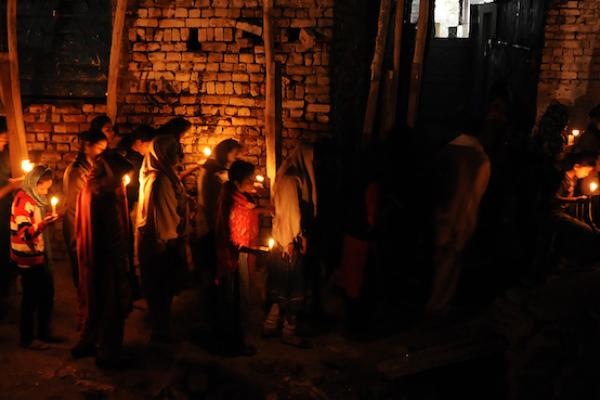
pixel 53 203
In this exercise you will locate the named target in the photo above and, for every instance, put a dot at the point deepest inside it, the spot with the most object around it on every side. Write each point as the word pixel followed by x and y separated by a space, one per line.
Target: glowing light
pixel 54 202
pixel 593 187
pixel 575 132
pixel 271 243
pixel 207 151
pixel 126 180
pixel 27 166
pixel 260 178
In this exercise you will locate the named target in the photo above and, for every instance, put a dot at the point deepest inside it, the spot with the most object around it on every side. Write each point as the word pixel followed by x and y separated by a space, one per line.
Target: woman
pixel 102 123
pixel 93 143
pixel 30 250
pixel 295 202
pixel 236 234
pixel 103 253
pixel 160 228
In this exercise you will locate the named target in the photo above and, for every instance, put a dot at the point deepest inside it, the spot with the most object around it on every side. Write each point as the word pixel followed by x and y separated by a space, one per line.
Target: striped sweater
pixel 26 232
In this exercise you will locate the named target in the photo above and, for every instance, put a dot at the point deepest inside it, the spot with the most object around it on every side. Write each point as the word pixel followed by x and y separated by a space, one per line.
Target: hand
pixel 290 249
pixel 50 219
pixel 583 197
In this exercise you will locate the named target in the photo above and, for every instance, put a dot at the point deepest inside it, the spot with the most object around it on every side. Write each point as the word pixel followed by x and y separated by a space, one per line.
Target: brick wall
pixel 570 70
pixel 204 60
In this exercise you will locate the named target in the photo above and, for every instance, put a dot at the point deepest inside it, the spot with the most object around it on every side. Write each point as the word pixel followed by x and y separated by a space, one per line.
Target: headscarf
pixel 30 183
pixel 223 149
pixel 162 158
pixel 294 183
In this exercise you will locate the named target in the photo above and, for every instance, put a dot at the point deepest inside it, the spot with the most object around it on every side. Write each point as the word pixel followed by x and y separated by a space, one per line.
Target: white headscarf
pixel 295 181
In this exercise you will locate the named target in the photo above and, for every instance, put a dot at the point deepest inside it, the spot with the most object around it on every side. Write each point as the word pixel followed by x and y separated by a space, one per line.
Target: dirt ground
pixel 334 368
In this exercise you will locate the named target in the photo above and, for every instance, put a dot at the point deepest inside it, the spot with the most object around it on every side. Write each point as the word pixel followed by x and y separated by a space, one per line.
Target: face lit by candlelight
pixel 43 187
pixel 582 171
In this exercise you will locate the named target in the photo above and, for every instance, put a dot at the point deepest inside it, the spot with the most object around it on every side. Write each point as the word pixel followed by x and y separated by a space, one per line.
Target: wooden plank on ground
pixel 416 75
pixel 115 59
pixel 376 68
pixel 10 86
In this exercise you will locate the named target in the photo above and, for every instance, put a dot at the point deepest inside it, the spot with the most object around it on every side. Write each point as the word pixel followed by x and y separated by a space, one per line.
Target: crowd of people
pixel 131 227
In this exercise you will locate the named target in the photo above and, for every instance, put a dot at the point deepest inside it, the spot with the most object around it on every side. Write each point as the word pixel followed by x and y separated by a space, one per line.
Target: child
pixel 236 234
pixel 30 250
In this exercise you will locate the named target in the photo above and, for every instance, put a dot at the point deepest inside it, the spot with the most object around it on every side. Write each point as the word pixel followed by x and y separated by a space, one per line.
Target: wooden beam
pixel 115 59
pixel 376 67
pixel 10 86
pixel 416 74
pixel 392 82
pixel 272 95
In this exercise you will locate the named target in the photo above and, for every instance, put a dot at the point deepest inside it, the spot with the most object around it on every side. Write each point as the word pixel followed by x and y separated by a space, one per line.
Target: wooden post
pixel 272 95
pixel 115 59
pixel 10 85
pixel 416 74
pixel 390 103
pixel 376 67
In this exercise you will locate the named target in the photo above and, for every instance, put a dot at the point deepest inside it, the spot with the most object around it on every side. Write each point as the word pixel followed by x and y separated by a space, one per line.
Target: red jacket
pixel 26 232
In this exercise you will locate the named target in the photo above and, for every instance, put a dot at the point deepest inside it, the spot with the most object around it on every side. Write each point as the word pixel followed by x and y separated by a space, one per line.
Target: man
pixel 464 170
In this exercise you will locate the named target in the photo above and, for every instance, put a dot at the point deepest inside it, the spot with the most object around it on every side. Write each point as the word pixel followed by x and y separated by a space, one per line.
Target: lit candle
pixel 126 180
pixel 260 178
pixel 271 243
pixel 593 187
pixel 575 132
pixel 27 166
pixel 570 140
pixel 207 151
pixel 54 202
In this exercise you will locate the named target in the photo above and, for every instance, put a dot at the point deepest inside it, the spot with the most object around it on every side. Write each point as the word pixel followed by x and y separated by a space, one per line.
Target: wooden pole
pixel 416 75
pixel 11 94
pixel 115 59
pixel 376 67
pixel 390 104
pixel 272 95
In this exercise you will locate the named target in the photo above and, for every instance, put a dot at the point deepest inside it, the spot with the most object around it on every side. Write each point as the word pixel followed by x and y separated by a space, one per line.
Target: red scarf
pixel 243 221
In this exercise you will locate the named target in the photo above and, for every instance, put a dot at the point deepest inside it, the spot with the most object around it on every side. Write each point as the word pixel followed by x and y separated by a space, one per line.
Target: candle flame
pixel 260 178
pixel 271 243
pixel 207 151
pixel 593 186
pixel 576 132
pixel 27 166
pixel 126 180
pixel 54 201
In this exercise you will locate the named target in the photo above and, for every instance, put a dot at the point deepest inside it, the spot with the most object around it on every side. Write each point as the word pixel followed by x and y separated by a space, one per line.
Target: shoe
pixel 35 345
pixel 295 341
pixel 83 351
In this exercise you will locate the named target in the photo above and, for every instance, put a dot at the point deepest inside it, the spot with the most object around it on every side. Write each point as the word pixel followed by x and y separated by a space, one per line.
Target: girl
pixel 295 201
pixel 30 250
pixel 93 143
pixel 236 234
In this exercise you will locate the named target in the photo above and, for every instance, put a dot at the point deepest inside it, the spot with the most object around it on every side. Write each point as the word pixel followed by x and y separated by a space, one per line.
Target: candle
pixel 575 132
pixel 126 180
pixel 271 243
pixel 26 166
pixel 54 202
pixel 570 140
pixel 260 178
pixel 207 151
pixel 593 187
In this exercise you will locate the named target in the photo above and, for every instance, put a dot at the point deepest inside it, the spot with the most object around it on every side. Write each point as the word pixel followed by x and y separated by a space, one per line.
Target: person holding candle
pixel 295 203
pixel 236 234
pixel 102 226
pixel 30 250
pixel 161 226
pixel 93 143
